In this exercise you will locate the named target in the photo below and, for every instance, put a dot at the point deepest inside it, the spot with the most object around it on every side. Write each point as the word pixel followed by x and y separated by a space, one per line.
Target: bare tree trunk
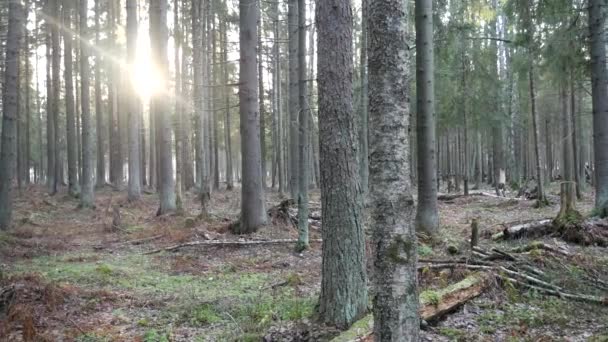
pixel 159 37
pixel 396 315
pixel 363 110
pixel 261 96
pixel 303 157
pixel 343 297
pixel 101 163
pixel 87 196
pixel 253 214
pixel 599 89
pixel 10 106
pixel 28 81
pixel 276 88
pixel 133 107
pixel 292 25
pixel 198 96
pixel 227 91
pixel 427 217
pixel 69 100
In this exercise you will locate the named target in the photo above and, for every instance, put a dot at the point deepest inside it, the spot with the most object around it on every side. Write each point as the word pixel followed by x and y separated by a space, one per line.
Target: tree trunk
pixel 343 297
pixel 101 163
pixel 396 316
pixel 261 96
pixel 158 40
pixel 575 151
pixel 253 214
pixel 55 60
pixel 303 157
pixel 227 93
pixel 87 196
pixel 133 107
pixel 10 106
pixel 427 218
pixel 363 110
pixel 276 88
pixel 568 187
pixel 73 187
pixel 28 80
pixel 599 89
pixel 292 25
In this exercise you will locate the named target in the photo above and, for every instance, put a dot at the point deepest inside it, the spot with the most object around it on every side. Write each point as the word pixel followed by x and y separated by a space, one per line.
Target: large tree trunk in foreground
pixel 427 217
pixel 253 214
pixel 87 195
pixel 363 105
pixel 10 104
pixel 343 297
pixel 599 89
pixel 395 285
pixel 159 37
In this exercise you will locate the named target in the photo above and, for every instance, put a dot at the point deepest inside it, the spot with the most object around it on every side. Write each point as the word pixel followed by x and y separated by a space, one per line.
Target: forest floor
pixel 74 278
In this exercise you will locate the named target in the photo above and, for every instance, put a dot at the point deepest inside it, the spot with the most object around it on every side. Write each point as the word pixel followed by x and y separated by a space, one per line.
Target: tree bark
pixel 159 37
pixel 304 132
pixel 101 163
pixel 343 297
pixel 427 218
pixel 87 195
pixel 253 214
pixel 73 187
pixel 396 315
pixel 133 107
pixel 55 83
pixel 261 95
pixel 292 26
pixel 277 105
pixel 227 93
pixel 10 106
pixel 363 105
pixel 599 89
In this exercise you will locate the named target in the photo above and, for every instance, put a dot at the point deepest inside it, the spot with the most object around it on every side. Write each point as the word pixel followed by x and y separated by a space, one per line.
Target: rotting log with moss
pixel 433 305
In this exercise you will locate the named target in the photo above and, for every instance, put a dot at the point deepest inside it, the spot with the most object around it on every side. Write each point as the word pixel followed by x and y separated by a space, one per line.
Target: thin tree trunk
pixel 276 87
pixel 101 163
pixel 199 110
pixel 69 100
pixel 304 128
pixel 292 26
pixel 87 196
pixel 261 96
pixel 427 218
pixel 395 306
pixel 133 107
pixel 343 297
pixel 159 37
pixel 10 105
pixel 363 110
pixel 28 81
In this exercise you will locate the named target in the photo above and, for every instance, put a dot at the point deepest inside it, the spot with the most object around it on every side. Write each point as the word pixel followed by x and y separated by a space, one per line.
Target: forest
pixel 301 170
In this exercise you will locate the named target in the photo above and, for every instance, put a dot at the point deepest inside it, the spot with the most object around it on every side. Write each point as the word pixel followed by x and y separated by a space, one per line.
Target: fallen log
pixel 450 197
pixel 533 228
pixel 223 243
pixel 560 294
pixel 433 305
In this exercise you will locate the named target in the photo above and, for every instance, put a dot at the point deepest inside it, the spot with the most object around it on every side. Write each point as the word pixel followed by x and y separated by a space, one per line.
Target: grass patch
pixel 453 334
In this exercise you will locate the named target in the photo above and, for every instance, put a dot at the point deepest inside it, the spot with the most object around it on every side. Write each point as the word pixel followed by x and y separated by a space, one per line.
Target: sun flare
pixel 145 77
